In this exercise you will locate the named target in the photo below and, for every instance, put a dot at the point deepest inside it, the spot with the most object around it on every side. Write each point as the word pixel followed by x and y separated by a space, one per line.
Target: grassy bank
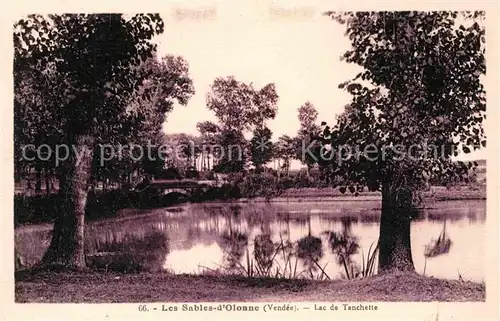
pixel 333 194
pixel 437 194
pixel 93 287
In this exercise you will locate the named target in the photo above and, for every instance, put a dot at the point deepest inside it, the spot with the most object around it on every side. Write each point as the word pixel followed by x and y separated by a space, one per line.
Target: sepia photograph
pixel 250 152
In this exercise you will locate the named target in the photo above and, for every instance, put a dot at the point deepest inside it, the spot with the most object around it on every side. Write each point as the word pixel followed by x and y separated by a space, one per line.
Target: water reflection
pixel 344 245
pixel 233 242
pixel 310 250
pixel 234 245
pixel 129 251
pixel 305 237
pixel 439 246
pixel 264 251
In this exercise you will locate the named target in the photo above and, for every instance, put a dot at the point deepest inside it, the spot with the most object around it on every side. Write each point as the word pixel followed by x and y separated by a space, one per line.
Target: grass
pixel 288 258
pixel 94 287
pixel 453 193
pixel 368 267
pixel 257 266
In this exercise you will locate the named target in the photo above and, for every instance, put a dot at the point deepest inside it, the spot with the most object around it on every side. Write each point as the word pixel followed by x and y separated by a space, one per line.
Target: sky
pixel 294 47
pixel 298 54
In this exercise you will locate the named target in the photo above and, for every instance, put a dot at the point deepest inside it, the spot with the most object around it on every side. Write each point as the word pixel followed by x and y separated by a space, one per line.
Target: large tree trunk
pixel 47 181
pixel 38 183
pixel 67 244
pixel 394 239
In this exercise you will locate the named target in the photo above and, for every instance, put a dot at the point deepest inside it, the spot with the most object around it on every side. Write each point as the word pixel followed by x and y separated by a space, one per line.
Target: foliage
pixel 129 102
pixel 286 148
pixel 182 152
pixel 239 106
pixel 233 152
pixel 45 208
pixel 419 68
pixel 72 75
pixel 93 64
pixel 207 127
pixel 208 131
pixel 259 185
pixel 261 147
pixel 308 116
pixel 80 55
pixel 165 81
pixel 307 135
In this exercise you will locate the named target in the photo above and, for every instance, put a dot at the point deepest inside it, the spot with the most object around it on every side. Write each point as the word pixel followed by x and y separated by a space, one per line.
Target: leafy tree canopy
pixel 420 88
pixel 240 106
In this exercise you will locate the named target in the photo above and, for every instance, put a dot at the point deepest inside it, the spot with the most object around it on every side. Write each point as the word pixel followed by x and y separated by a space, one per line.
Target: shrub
pixel 191 172
pixel 45 208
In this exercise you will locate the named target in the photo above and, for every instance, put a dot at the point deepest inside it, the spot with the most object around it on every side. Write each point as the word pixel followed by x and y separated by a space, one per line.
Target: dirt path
pixel 162 287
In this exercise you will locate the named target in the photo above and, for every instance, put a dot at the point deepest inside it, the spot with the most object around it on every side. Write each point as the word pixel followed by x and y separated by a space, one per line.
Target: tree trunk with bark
pixel 67 243
pixel 38 183
pixel 48 187
pixel 394 240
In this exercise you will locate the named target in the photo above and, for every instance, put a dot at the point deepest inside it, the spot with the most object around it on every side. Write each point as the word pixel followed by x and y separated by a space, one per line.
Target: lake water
pixel 203 238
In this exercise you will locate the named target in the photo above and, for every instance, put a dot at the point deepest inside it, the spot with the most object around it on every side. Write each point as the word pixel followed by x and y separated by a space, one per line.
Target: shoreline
pixel 96 287
pixel 304 195
pixel 339 199
pixel 137 212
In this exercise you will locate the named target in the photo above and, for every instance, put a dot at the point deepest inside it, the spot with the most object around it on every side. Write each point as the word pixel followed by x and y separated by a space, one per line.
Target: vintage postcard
pixel 251 159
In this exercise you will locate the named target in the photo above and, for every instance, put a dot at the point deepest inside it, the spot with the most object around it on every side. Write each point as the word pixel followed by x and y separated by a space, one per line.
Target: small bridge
pixel 183 187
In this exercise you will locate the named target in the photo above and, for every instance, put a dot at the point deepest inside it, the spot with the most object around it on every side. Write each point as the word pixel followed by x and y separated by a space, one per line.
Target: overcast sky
pixel 294 47
pixel 299 54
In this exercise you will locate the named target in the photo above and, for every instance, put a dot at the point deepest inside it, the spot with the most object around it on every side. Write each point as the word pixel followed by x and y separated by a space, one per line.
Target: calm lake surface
pixel 201 238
